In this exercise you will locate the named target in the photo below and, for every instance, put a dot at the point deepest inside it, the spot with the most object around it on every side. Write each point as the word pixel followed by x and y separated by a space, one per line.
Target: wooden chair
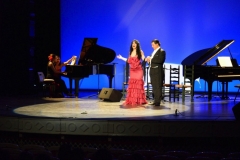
pixel 188 82
pixel 174 79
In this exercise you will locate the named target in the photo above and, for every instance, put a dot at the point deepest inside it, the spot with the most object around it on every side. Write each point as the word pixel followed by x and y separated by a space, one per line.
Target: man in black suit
pixel 156 61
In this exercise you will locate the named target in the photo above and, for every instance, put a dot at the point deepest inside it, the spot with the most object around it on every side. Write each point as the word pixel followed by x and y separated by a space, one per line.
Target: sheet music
pixel 74 60
pixel 225 61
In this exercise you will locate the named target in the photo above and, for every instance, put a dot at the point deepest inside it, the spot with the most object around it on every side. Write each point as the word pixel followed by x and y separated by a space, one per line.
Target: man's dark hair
pixel 156 41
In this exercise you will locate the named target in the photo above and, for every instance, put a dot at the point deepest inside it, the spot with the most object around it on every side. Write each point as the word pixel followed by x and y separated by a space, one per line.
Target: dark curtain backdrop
pixel 29 31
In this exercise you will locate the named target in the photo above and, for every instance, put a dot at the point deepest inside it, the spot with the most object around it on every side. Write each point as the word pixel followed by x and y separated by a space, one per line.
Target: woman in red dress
pixel 135 93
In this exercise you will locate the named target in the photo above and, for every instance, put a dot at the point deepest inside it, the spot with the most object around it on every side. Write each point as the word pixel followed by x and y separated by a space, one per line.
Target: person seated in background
pixel 54 73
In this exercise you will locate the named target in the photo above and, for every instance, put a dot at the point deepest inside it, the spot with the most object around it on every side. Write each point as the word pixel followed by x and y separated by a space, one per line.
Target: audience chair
pixel 118 152
pixel 29 147
pixel 230 158
pixel 13 153
pixel 182 155
pixel 47 84
pixel 164 157
pixel 37 152
pixel 212 155
pixel 148 154
pixel 198 158
pixel 89 152
pixel 125 157
pixel 9 145
pixel 54 150
pixel 234 155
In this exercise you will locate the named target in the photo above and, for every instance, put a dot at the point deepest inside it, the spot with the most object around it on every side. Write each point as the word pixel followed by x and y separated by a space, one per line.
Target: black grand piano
pixel 93 60
pixel 212 73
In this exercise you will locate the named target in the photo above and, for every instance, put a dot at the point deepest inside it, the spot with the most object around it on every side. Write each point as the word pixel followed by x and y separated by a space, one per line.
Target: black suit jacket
pixel 158 59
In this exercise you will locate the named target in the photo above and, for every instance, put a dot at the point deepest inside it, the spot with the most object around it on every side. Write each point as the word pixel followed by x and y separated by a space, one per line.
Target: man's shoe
pixel 151 103
pixel 157 104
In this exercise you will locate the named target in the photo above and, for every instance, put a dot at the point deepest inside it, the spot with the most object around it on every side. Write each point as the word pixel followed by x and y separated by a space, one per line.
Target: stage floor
pixel 93 116
pixel 94 108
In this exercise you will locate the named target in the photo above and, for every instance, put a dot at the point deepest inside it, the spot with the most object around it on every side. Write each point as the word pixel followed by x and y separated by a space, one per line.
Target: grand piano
pixel 212 73
pixel 93 59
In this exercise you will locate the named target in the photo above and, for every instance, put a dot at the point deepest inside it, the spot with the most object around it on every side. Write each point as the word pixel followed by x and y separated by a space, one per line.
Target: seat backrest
pixel 41 76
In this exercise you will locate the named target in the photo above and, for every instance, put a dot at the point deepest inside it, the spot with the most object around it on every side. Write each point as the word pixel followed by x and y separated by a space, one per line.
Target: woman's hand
pixel 119 56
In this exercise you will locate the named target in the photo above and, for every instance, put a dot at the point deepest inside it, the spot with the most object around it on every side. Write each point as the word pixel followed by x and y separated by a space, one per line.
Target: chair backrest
pixel 41 76
pixel 174 75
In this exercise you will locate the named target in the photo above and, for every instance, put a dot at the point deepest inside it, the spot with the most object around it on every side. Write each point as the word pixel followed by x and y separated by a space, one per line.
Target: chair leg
pixel 183 94
pixel 236 94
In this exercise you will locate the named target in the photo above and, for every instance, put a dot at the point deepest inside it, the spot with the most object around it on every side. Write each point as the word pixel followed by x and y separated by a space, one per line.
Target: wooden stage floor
pixel 92 116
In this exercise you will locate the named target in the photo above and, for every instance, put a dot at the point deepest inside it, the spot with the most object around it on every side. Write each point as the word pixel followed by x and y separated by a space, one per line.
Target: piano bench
pixel 237 86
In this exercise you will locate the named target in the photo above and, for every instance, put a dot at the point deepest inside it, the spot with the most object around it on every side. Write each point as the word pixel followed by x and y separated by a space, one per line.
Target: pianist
pixel 54 72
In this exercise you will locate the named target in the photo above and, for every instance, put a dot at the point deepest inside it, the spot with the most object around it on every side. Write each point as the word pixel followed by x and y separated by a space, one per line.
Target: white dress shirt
pixel 154 52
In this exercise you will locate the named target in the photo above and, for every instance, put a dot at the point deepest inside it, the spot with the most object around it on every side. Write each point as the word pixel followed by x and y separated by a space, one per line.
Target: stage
pixel 93 117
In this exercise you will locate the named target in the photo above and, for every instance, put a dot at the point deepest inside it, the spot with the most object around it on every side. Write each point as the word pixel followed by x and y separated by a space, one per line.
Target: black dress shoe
pixel 157 104
pixel 151 103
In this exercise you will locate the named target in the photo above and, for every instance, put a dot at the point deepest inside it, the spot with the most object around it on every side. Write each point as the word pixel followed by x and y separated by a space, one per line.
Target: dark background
pixel 29 31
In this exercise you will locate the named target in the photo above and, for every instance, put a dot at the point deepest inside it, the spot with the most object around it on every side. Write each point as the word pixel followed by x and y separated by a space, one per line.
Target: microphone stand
pixel 203 95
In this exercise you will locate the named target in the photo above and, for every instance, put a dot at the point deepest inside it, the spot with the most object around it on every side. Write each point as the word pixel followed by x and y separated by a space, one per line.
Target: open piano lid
pixel 201 57
pixel 91 53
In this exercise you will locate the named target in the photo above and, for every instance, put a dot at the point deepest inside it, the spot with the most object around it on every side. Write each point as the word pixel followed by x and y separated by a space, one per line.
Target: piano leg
pixel 76 87
pixel 110 81
pixel 224 90
pixel 210 90
pixel 70 85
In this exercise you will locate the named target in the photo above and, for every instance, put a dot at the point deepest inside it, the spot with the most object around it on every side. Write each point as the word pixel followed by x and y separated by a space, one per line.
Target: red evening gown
pixel 135 92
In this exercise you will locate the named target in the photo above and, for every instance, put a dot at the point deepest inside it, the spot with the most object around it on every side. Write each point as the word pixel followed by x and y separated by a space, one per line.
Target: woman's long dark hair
pixel 138 49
